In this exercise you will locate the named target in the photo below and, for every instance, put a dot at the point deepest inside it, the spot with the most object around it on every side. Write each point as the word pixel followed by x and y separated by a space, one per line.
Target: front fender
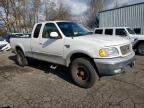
pixel 136 43
pixel 74 52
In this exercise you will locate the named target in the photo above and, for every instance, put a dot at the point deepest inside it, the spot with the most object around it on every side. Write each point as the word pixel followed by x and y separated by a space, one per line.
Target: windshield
pixel 71 29
pixel 130 31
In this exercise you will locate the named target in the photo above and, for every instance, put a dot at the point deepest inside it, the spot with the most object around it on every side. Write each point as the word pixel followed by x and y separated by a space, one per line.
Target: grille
pixel 125 49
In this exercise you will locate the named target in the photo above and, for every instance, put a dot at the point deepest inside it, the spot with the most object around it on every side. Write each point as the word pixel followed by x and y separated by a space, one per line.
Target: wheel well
pixel 81 55
pixel 138 43
pixel 18 48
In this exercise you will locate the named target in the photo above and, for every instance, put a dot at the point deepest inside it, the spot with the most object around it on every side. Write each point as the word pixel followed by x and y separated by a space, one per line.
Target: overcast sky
pixel 80 6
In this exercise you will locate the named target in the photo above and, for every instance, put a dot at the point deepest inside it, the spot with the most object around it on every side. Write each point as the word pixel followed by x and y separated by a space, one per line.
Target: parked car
pixel 4 45
pixel 67 43
pixel 7 38
pixel 136 39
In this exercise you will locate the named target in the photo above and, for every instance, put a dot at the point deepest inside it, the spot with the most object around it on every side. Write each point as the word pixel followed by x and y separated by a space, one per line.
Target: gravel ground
pixel 38 86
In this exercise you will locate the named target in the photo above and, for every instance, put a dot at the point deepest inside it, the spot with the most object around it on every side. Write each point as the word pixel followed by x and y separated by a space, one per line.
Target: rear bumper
pixel 115 65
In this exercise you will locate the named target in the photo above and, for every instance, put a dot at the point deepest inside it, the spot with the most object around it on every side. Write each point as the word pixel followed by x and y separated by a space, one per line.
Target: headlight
pixel 108 52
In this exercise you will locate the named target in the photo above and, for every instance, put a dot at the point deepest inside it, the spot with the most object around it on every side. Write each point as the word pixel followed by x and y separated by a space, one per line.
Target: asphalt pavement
pixel 39 86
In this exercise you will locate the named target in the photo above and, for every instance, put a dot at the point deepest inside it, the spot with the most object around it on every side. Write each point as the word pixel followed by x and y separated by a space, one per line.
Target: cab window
pixel 137 30
pixel 121 32
pixel 99 31
pixel 48 28
pixel 37 30
pixel 109 31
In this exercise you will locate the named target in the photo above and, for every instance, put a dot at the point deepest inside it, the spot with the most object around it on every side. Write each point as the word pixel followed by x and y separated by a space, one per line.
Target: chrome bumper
pixel 115 65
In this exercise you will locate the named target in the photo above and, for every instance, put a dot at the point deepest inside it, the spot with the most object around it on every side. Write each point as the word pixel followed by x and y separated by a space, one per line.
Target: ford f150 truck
pixel 125 32
pixel 87 55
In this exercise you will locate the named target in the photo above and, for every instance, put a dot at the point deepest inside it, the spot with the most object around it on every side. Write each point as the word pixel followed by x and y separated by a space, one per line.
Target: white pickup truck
pixel 125 32
pixel 67 43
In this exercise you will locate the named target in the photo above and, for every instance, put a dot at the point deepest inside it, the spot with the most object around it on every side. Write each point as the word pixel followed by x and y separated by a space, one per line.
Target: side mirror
pixel 54 35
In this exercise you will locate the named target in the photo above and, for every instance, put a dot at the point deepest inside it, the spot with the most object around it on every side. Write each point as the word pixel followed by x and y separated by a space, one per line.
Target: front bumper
pixel 115 65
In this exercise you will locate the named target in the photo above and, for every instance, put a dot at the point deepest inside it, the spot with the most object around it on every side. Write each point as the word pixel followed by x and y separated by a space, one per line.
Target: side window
pixel 99 31
pixel 121 32
pixel 48 28
pixel 137 30
pixel 37 30
pixel 109 31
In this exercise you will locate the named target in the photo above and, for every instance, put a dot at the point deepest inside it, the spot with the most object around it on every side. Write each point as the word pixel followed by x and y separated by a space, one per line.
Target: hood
pixel 3 42
pixel 105 40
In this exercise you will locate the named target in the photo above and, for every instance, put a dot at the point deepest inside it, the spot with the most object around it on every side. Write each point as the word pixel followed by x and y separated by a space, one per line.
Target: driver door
pixel 51 48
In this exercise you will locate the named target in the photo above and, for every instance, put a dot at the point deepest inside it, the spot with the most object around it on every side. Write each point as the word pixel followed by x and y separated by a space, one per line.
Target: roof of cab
pixel 110 27
pixel 52 22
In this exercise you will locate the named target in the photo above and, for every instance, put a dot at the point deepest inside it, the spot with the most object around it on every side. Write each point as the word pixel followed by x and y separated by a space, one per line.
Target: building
pixel 130 16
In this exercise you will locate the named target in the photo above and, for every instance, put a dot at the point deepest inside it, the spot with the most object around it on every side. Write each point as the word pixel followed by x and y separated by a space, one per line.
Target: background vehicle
pixel 125 32
pixel 4 45
pixel 16 34
pixel 67 43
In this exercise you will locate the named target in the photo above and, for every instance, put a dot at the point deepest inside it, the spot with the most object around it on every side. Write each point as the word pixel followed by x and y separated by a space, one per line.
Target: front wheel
pixel 83 72
pixel 140 48
pixel 21 59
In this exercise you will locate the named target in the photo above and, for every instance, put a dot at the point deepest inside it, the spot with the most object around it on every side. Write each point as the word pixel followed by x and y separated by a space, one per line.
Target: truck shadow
pixel 60 71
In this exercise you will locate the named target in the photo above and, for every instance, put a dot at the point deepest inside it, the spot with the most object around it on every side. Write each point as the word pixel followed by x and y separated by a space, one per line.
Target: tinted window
pixel 121 32
pixel 99 31
pixel 137 30
pixel 48 28
pixel 37 30
pixel 70 29
pixel 130 31
pixel 108 31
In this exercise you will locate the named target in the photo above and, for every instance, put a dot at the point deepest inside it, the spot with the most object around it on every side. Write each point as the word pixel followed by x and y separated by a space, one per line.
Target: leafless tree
pixel 54 11
pixel 62 13
pixel 36 7
pixel 21 15
pixel 91 14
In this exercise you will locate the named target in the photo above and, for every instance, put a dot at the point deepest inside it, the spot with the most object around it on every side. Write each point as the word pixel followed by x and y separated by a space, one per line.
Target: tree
pixel 36 7
pixel 91 15
pixel 62 13
pixel 55 11
pixel 4 14
pixel 21 15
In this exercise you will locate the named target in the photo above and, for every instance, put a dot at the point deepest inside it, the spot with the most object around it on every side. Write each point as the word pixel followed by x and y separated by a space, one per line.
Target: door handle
pixel 67 46
pixel 40 43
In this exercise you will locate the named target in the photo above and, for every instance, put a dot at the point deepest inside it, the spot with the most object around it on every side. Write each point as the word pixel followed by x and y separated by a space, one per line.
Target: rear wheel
pixel 21 59
pixel 140 48
pixel 83 73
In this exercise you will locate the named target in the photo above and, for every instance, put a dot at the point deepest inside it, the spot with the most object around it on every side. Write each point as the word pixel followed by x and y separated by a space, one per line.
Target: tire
pixel 21 59
pixel 83 73
pixel 140 48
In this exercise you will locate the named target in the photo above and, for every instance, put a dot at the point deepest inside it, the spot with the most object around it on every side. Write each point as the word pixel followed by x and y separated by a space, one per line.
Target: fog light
pixel 117 71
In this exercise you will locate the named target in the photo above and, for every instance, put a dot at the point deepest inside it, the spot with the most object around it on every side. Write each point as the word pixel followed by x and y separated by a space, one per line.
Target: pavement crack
pixel 128 83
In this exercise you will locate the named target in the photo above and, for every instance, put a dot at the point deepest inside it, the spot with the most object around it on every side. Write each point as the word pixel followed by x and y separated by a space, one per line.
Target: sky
pixel 78 7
